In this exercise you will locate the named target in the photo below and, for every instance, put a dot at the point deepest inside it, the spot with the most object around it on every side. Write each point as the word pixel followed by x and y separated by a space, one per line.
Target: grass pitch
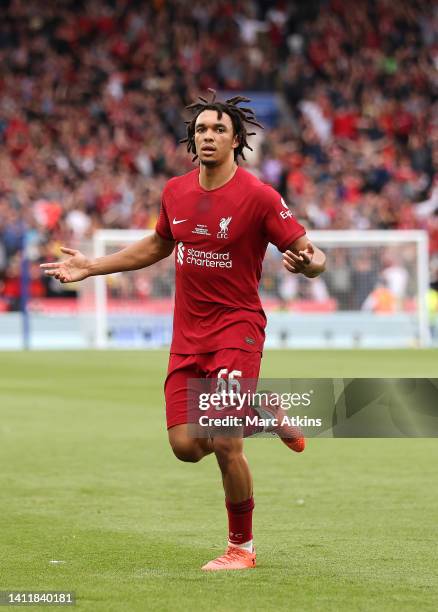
pixel 87 479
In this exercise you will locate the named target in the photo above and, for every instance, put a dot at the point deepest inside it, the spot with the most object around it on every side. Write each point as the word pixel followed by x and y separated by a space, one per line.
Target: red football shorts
pixel 203 365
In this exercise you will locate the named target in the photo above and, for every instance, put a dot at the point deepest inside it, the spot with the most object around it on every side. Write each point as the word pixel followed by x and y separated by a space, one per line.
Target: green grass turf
pixel 87 478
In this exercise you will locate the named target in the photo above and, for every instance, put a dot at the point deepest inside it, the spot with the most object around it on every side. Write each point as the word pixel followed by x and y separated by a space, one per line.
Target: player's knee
pixel 186 451
pixel 227 450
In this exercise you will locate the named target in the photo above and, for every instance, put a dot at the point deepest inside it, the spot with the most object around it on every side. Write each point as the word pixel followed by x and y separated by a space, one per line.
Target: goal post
pixel 103 241
pixel 373 295
pixel 398 238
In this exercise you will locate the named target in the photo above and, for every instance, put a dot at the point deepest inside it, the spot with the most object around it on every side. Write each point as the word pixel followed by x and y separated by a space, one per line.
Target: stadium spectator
pixel 92 97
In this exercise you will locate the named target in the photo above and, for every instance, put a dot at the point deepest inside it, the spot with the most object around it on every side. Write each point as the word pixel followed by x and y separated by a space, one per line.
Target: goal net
pixel 373 295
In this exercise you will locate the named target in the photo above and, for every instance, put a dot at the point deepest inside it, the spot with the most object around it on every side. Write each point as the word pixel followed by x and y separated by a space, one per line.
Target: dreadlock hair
pixel 239 116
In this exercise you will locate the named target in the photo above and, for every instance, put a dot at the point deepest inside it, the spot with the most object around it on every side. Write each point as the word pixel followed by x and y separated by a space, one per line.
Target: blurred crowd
pixel 92 98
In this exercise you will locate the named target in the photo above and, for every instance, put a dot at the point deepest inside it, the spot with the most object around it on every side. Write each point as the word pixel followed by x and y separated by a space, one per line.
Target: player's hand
pixel 298 262
pixel 75 268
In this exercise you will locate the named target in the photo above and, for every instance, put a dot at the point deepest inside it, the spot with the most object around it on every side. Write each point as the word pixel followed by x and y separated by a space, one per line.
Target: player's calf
pixel 234 467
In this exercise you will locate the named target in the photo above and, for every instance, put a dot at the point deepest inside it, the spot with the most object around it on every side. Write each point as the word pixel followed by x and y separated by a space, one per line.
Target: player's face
pixel 214 138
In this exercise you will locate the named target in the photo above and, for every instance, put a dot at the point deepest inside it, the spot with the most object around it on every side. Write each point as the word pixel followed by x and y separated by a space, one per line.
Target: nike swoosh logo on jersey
pixel 175 222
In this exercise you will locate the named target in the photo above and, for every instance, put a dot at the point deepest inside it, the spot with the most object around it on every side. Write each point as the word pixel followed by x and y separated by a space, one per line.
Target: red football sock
pixel 240 520
pixel 248 428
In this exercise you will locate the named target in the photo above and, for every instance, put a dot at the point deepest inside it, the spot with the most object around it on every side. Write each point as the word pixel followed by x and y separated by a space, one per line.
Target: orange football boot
pixel 292 436
pixel 233 559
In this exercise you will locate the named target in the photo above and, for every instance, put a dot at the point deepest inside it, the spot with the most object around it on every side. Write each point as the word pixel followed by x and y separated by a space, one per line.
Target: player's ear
pixel 235 141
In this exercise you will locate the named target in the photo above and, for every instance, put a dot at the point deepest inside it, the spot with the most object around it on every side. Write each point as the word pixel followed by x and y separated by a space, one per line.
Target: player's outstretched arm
pixel 137 255
pixel 304 258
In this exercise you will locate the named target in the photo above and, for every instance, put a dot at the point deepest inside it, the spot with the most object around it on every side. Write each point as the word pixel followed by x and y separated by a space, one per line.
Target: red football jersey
pixel 221 237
